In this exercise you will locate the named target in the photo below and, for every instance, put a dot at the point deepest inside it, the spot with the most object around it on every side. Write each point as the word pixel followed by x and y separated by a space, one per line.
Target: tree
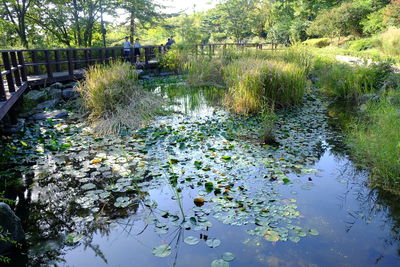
pixel 16 13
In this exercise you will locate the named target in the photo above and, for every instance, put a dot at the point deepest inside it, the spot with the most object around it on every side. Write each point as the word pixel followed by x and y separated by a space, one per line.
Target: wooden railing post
pixel 113 53
pixel 57 60
pixel 34 60
pixel 101 57
pixel 147 55
pixel 2 90
pixel 21 62
pixel 86 58
pixel 75 58
pixel 107 56
pixel 14 64
pixel 9 76
pixel 48 65
pixel 70 63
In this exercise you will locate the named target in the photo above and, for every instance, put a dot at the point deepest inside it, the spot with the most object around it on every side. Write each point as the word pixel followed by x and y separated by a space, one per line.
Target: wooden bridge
pixel 21 69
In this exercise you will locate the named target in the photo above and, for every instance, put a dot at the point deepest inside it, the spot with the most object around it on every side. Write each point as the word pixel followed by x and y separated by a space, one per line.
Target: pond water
pixel 196 188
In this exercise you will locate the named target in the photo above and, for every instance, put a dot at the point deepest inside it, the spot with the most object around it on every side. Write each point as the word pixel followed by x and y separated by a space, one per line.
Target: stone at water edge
pixel 69 94
pixel 57 86
pixel 54 114
pixel 47 104
pixel 12 224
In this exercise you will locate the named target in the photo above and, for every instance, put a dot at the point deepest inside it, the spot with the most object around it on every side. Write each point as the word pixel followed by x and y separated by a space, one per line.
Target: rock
pixel 57 86
pixel 35 96
pixel 164 74
pixel 139 72
pixel 48 104
pixel 146 77
pixel 53 114
pixel 54 93
pixel 70 85
pixel 70 93
pixel 17 128
pixel 9 222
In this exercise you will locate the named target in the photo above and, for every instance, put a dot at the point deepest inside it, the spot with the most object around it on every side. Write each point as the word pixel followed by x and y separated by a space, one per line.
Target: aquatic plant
pixel 114 98
pixel 256 83
pixel 204 71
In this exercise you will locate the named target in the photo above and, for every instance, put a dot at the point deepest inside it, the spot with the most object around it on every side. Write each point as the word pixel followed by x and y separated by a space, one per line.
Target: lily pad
pixel 191 240
pixel 219 263
pixel 162 251
pixel 228 256
pixel 213 243
pixel 88 186
pixel 313 232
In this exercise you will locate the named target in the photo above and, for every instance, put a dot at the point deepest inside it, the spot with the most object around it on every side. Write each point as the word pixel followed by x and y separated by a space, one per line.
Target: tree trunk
pixel 77 28
pixel 132 27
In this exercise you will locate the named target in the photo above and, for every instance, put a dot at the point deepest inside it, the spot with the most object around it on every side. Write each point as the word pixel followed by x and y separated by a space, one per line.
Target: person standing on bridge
pixel 136 50
pixel 127 48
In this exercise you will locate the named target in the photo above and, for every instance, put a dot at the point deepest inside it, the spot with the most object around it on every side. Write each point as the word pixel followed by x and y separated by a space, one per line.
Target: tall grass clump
pixel 390 41
pixel 375 142
pixel 347 82
pixel 114 99
pixel 176 58
pixel 255 84
pixel 205 72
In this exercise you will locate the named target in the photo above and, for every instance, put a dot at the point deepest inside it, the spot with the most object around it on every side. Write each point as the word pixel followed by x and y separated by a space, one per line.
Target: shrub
pixel 375 142
pixel 112 95
pixel 176 58
pixel 390 40
pixel 364 44
pixel 255 84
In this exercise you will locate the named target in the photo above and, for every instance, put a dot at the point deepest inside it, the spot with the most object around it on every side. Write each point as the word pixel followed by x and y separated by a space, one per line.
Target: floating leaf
pixel 73 237
pixel 191 240
pixel 271 236
pixel 174 161
pixel 294 239
pixel 198 201
pixel 88 186
pixel 219 263
pixel 226 157
pixel 313 232
pixel 95 161
pixel 228 256
pixel 213 242
pixel 162 251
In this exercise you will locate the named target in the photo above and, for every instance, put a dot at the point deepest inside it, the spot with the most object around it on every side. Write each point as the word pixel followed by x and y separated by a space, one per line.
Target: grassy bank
pixel 375 141
pixel 115 100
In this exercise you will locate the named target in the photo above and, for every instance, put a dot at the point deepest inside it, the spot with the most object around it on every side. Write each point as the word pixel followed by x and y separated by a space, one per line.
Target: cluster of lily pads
pixel 92 180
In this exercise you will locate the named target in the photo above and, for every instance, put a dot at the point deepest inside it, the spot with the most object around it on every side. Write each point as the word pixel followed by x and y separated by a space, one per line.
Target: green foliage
pixel 255 84
pixel 205 71
pixel 348 82
pixel 176 58
pixel 317 42
pixel 375 142
pixel 390 40
pixel 364 44
pixel 375 22
pixel 342 20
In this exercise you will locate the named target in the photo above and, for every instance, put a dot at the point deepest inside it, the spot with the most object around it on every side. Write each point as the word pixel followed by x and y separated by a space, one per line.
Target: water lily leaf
pixel 213 242
pixel 294 239
pixel 226 157
pixel 73 238
pixel 95 161
pixel 286 180
pixel 162 251
pixel 88 186
pixel 174 161
pixel 271 236
pixel 219 263
pixel 313 232
pixel 191 240
pixel 228 256
pixel 198 201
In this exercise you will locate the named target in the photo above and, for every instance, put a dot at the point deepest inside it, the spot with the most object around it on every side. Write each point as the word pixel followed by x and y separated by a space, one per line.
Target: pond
pixel 196 188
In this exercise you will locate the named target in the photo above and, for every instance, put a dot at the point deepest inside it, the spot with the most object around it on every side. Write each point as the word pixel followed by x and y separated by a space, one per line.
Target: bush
pixel 255 84
pixel 112 95
pixel 375 142
pixel 390 40
pixel 176 58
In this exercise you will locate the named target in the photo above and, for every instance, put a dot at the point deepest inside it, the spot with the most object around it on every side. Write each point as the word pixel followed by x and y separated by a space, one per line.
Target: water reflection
pixel 358 226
